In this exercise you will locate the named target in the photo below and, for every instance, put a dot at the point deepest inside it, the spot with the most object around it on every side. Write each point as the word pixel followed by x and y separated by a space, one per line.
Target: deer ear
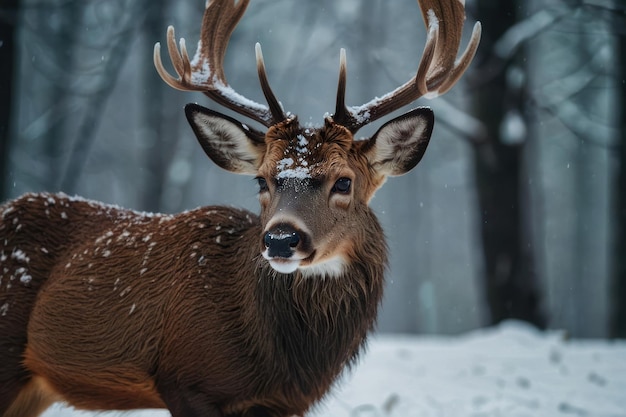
pixel 228 143
pixel 400 143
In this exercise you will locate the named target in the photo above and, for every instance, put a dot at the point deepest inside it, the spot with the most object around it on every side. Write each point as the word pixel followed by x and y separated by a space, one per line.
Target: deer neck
pixel 312 316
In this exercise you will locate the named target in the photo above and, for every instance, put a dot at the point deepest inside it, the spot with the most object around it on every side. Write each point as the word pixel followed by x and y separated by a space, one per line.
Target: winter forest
pixel 518 209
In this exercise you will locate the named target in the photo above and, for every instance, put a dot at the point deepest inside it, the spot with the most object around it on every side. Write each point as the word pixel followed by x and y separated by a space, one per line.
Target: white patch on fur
pixel 331 268
pixel 284 266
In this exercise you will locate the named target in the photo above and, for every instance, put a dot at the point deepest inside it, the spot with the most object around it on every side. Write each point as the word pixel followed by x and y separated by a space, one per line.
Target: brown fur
pixel 127 310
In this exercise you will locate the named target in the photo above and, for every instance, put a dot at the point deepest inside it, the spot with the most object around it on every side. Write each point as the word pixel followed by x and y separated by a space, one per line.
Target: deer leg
pixel 14 378
pixel 9 391
pixel 28 399
pixel 185 408
pixel 187 403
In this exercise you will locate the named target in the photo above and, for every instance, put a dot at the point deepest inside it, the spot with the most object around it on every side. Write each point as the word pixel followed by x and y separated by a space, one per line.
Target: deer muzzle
pixel 286 246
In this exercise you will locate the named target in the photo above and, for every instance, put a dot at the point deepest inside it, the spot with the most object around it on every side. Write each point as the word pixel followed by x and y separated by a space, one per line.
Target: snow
pixel 19 255
pixel 8 210
pixel 298 172
pixel 511 370
pixel 433 21
pixel 286 168
pixel 284 163
pixel 203 75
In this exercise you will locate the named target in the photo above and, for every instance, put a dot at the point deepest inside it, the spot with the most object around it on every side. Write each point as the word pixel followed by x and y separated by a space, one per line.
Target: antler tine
pixel 438 70
pixel 463 62
pixel 205 73
pixel 272 101
pixel 177 62
pixel 341 112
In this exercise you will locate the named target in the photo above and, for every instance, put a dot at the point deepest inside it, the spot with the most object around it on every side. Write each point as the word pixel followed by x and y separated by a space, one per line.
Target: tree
pixel 102 84
pixel 159 129
pixel 8 13
pixel 511 282
pixel 618 313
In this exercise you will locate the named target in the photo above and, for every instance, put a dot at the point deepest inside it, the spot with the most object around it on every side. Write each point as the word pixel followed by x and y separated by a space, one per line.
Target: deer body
pixel 218 312
pixel 123 306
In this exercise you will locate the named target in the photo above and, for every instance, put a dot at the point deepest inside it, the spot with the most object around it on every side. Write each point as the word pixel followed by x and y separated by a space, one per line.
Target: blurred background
pixel 518 209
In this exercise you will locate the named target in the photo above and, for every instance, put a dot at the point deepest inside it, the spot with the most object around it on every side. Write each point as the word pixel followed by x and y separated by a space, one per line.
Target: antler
pixel 205 72
pixel 437 72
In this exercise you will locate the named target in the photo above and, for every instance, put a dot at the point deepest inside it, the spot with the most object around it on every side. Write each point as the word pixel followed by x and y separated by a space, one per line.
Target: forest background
pixel 518 209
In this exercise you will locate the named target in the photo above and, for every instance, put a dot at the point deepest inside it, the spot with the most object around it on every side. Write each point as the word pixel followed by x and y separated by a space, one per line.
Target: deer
pixel 217 311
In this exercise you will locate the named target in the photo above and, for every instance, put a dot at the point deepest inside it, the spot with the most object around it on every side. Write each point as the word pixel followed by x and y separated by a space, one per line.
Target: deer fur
pixel 107 308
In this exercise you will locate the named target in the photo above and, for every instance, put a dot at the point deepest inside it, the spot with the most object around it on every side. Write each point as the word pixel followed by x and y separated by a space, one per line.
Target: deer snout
pixel 285 247
pixel 281 244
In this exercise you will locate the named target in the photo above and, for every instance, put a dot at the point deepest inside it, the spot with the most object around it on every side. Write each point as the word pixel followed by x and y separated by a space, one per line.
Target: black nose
pixel 281 242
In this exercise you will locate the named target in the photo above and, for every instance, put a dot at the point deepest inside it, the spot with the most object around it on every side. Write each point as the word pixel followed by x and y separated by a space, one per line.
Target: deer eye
pixel 262 184
pixel 342 186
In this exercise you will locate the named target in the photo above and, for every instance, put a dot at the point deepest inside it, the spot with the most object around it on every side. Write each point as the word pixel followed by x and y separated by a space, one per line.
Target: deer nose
pixel 281 241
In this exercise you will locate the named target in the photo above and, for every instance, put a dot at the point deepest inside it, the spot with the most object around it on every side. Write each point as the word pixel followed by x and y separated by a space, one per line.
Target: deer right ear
pixel 228 143
pixel 400 143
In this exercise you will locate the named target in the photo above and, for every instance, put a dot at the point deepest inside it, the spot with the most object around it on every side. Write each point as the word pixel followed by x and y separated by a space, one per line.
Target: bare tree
pixel 618 313
pixel 102 87
pixel 567 92
pixel 54 42
pixel 159 126
pixel 8 18
pixel 511 281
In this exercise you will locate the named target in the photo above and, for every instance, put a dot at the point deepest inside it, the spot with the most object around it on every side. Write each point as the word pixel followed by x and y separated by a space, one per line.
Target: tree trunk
pixel 618 313
pixel 8 18
pixel 154 135
pixel 510 278
pixel 57 95
pixel 92 116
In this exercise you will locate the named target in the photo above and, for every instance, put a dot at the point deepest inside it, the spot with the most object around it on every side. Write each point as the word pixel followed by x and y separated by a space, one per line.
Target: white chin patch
pixel 331 268
pixel 284 266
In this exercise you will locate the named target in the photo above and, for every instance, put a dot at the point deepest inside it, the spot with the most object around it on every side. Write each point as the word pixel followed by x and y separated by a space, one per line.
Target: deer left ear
pixel 229 143
pixel 400 143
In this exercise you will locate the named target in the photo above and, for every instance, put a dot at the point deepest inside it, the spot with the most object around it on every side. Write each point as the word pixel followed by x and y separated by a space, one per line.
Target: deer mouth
pixel 288 265
pixel 284 265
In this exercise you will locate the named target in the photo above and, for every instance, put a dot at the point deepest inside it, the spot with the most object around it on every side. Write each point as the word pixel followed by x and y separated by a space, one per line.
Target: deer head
pixel 315 183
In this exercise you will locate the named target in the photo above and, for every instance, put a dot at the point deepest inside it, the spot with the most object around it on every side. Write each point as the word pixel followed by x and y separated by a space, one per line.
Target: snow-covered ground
pixel 512 370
